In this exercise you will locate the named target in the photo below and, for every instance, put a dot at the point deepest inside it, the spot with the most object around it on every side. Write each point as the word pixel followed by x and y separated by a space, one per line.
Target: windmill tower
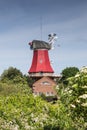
pixel 41 66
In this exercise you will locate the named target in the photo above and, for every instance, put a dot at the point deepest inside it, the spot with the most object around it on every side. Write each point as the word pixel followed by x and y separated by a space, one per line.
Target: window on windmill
pixel 40 93
pixel 45 83
pixel 35 93
pixel 51 94
pixel 47 93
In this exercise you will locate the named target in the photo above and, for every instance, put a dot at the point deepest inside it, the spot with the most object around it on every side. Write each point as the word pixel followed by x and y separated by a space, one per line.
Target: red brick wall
pixel 45 85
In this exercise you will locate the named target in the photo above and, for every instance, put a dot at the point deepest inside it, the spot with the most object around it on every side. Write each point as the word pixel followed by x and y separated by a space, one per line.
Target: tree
pixel 13 81
pixel 11 73
pixel 77 95
pixel 29 80
pixel 68 72
pixel 74 98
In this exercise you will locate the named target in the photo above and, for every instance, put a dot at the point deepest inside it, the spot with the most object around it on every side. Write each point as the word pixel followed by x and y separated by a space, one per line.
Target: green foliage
pixel 68 72
pixel 11 73
pixel 20 110
pixel 13 82
pixel 7 89
pixel 29 80
pixel 26 112
pixel 79 93
pixel 74 98
pixel 15 76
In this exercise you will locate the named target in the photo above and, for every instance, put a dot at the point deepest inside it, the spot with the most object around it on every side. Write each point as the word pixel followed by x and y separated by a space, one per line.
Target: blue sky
pixel 21 22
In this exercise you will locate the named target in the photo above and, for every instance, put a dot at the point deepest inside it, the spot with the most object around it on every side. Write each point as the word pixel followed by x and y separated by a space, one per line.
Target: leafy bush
pixel 26 112
pixel 74 98
pixel 21 110
pixel 11 73
pixel 67 73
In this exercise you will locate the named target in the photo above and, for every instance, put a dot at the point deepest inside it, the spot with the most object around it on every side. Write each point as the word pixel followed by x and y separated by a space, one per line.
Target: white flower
pixel 16 127
pixel 27 127
pixel 35 119
pixel 84 69
pixel 78 101
pixel 84 86
pixel 70 91
pixel 84 96
pixel 72 105
pixel 32 115
pixel 84 104
pixel 77 75
pixel 85 124
pixel 57 87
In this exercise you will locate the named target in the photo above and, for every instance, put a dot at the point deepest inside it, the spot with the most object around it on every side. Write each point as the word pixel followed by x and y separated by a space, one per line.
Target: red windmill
pixel 41 62
pixel 41 68
pixel 41 65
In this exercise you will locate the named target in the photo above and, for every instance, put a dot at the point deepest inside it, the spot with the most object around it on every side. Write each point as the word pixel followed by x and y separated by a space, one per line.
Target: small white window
pixel 40 93
pixel 35 93
pixel 45 83
pixel 51 93
pixel 47 93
